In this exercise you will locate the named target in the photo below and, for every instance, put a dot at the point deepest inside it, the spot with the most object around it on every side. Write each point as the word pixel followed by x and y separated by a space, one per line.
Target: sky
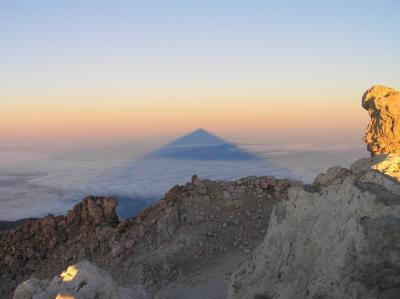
pixel 87 73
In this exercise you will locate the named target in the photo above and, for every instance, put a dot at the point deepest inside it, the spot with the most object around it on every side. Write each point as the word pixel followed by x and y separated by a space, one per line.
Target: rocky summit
pixel 383 132
pixel 342 238
pixel 253 238
pixel 340 241
pixel 185 246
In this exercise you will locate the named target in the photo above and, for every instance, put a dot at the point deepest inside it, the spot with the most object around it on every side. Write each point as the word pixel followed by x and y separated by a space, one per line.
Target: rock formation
pixel 340 239
pixel 331 175
pixel 82 280
pixel 56 238
pixel 197 229
pixel 383 132
pixel 386 164
pixel 340 242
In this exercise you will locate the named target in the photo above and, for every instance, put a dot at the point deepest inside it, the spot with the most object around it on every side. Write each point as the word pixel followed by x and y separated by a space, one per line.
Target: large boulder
pixel 82 280
pixel 340 242
pixel 388 164
pixel 51 243
pixel 95 210
pixel 383 132
pixel 332 174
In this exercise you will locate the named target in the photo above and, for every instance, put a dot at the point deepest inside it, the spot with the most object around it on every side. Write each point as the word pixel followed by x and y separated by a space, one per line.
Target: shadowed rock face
pixel 383 132
pixel 97 210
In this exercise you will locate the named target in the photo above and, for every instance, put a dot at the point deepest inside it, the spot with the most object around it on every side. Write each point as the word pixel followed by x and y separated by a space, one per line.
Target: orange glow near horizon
pixel 155 70
pixel 232 114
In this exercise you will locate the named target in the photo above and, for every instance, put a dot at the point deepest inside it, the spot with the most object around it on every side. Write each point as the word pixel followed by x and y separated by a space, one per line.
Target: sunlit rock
pixel 386 164
pixel 82 280
pixel 61 296
pixel 389 166
pixel 70 273
pixel 383 132
pixel 341 237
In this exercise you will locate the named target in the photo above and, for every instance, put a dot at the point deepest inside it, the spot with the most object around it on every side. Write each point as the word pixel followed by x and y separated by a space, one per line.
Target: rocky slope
pixel 195 236
pixel 6 225
pixel 342 239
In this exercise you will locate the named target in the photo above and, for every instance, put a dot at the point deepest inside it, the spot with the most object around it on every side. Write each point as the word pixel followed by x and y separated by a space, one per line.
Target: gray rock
pixel 199 185
pixel 82 280
pixel 332 174
pixel 361 165
pixel 341 242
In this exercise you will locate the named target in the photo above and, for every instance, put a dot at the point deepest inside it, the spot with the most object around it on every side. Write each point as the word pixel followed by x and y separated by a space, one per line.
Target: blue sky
pixel 126 53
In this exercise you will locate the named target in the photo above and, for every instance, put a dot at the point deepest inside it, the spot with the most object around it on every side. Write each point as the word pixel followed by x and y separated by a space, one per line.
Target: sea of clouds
pixel 34 185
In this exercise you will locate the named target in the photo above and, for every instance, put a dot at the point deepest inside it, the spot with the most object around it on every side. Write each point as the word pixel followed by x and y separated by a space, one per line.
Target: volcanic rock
pixel 383 132
pixel 183 235
pixel 82 280
pixel 331 175
pixel 341 237
pixel 57 238
pixel 341 242
pixel 386 164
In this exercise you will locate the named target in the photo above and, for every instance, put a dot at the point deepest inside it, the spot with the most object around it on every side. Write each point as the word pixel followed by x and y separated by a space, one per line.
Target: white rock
pixel 388 164
pixel 342 242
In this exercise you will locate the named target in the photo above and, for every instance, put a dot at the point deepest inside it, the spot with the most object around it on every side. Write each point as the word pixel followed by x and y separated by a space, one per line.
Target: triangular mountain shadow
pixel 202 145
